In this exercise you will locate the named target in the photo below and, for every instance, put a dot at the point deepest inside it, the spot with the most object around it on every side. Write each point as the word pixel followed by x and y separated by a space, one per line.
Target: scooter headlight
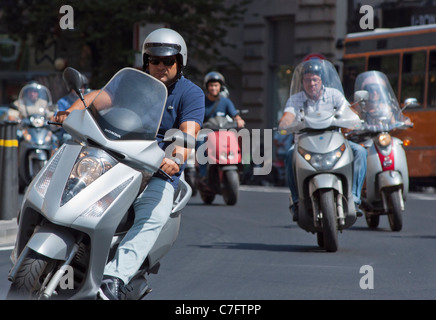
pixel 90 164
pixel 323 161
pixel 37 121
pixel 223 155
pixel 384 139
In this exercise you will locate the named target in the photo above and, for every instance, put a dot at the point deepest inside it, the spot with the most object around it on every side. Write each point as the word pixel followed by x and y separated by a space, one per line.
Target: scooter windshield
pixel 381 111
pixel 34 99
pixel 317 99
pixel 130 106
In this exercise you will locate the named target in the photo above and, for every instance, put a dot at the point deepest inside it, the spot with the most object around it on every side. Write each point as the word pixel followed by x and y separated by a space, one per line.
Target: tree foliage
pixel 103 30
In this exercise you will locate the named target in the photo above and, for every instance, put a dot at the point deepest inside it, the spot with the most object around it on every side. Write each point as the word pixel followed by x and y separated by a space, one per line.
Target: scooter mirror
pixel 74 80
pixel 410 103
pixel 361 95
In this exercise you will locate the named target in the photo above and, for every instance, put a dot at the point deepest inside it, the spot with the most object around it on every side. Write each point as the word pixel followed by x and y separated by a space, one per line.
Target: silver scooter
pixel 387 177
pixel 322 165
pixel 79 206
pixel 37 139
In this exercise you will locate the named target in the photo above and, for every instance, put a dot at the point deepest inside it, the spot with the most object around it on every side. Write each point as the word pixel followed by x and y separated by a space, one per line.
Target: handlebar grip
pixel 55 123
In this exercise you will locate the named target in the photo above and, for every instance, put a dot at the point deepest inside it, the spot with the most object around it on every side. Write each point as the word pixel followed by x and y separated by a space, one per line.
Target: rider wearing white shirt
pixel 316 97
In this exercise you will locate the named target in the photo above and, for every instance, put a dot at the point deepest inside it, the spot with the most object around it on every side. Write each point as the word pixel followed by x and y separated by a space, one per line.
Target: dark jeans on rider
pixel 359 171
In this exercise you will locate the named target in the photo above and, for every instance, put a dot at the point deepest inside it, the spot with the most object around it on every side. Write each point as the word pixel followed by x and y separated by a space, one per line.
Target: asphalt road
pixel 253 251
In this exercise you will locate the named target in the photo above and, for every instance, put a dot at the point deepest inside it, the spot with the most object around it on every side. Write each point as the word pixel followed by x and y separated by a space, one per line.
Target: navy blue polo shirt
pixel 185 102
pixel 225 107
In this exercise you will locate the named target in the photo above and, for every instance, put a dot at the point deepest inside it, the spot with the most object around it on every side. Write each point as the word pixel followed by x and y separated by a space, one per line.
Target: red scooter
pixel 223 155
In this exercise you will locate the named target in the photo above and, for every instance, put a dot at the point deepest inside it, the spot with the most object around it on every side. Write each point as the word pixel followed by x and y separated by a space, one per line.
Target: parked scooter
pixel 323 161
pixel 387 177
pixel 37 140
pixel 224 160
pixel 79 206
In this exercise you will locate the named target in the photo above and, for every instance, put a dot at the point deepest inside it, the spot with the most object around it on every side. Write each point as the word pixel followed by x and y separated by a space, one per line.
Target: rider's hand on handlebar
pixel 169 166
pixel 240 123
pixel 61 116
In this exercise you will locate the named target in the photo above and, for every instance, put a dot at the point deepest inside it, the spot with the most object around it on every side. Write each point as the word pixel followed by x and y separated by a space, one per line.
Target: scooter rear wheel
pixel 329 221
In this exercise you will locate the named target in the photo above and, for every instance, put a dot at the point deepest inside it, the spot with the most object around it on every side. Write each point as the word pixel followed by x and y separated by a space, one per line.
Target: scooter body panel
pixel 66 214
pixel 380 177
pixel 309 180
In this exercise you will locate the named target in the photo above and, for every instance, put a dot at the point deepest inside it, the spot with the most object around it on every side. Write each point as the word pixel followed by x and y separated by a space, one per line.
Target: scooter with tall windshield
pixel 387 178
pixel 323 160
pixel 37 139
pixel 78 208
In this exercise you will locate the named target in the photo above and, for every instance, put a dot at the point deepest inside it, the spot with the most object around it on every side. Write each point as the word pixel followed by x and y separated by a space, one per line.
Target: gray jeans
pixel 152 210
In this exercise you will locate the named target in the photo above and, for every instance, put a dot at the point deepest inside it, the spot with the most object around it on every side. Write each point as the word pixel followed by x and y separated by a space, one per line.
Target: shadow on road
pixel 262 247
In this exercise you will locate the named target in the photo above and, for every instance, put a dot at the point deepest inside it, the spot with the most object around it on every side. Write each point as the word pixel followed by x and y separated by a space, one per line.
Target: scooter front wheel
pixel 231 187
pixel 329 221
pixel 30 278
pixel 395 213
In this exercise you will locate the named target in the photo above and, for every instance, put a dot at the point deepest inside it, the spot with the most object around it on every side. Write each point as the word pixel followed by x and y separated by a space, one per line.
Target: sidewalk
pixel 8 232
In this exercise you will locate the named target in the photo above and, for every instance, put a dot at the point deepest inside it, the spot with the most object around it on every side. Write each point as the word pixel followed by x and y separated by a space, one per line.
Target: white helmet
pixel 165 42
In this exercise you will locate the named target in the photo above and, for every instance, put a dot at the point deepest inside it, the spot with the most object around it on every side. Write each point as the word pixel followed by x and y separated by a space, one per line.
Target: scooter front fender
pixel 323 181
pixel 49 240
pixel 52 241
pixel 39 154
pixel 229 167
pixel 389 179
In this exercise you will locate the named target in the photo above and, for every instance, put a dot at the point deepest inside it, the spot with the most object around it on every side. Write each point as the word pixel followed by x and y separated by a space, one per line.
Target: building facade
pixel 270 40
pixel 274 36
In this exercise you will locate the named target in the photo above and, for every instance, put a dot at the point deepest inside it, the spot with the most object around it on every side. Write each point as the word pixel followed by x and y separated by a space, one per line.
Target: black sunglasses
pixel 168 61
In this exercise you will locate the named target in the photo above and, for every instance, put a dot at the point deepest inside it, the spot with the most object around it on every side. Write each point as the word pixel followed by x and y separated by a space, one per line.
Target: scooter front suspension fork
pixel 340 209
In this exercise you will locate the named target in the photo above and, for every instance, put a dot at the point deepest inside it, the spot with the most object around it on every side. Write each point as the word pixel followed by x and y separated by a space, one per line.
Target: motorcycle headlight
pixel 90 165
pixel 323 161
pixel 223 155
pixel 384 139
pixel 37 121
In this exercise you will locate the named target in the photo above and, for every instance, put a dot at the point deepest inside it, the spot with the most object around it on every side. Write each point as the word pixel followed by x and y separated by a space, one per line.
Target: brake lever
pixel 55 123
pixel 166 175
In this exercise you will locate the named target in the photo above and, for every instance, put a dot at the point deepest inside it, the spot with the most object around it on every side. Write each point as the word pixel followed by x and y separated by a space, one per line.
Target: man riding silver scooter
pixel 79 207
pixel 320 172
